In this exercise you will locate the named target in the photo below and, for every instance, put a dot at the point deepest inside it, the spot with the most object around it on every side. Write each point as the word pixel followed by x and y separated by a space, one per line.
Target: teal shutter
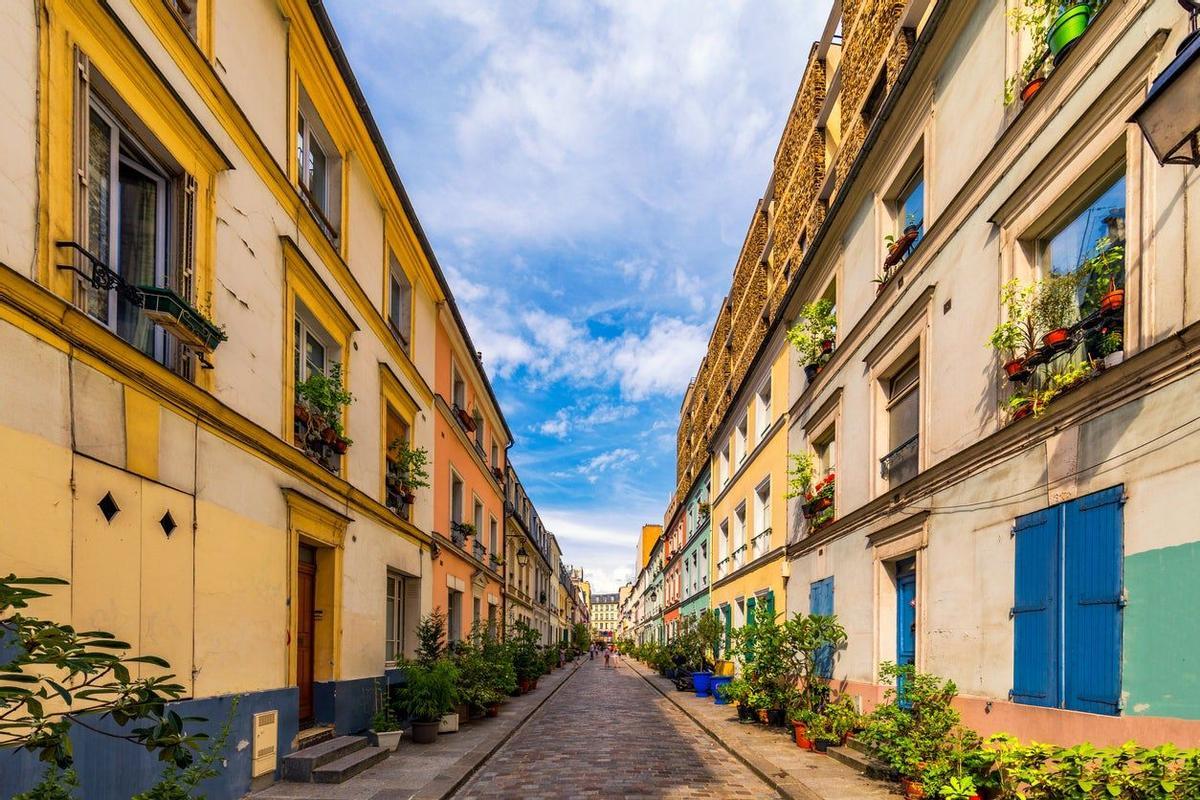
pixel 1092 602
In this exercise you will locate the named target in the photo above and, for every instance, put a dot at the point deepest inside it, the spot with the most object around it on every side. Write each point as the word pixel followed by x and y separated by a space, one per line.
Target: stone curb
pixel 461 771
pixel 776 777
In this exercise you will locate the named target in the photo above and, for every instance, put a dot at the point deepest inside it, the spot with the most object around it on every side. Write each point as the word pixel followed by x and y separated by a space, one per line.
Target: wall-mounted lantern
pixel 1170 116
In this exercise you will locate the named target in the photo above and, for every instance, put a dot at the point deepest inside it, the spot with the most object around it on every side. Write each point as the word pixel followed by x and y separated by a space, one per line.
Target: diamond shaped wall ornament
pixel 168 524
pixel 108 506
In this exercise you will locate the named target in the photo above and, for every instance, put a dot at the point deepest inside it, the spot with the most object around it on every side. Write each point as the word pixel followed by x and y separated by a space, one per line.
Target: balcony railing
pixel 761 542
pixel 900 464
pixel 479 550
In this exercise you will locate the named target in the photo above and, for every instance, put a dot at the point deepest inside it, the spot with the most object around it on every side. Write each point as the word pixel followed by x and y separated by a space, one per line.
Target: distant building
pixel 605 616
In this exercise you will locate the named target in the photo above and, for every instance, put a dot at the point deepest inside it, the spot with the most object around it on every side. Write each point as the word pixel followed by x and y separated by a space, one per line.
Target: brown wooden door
pixel 305 600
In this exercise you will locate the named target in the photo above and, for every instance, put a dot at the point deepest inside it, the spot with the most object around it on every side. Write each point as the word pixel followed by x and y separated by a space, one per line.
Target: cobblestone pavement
pixel 608 734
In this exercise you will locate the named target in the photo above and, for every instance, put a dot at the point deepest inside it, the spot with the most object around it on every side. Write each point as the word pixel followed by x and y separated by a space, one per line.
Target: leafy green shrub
pixel 429 692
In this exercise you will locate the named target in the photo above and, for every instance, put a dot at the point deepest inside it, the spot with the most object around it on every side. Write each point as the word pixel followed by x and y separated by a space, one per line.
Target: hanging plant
pixel 813 335
pixel 799 474
pixel 407 466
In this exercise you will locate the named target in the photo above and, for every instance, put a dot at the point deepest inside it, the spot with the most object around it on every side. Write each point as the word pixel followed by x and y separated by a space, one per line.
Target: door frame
pixel 895 544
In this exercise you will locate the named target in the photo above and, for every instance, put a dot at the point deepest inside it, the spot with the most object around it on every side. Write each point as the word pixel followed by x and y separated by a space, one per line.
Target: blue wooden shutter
pixel 1092 602
pixel 820 601
pixel 1035 611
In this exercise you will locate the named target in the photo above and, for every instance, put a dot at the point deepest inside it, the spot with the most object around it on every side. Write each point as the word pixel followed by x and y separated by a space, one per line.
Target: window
pixel 825 452
pixel 493 539
pixel 456 498
pixel 312 351
pixel 739 536
pixel 400 302
pixel 740 441
pixel 723 549
pixel 135 213
pixel 396 433
pixel 479 431
pixel 454 612
pixel 910 207
pixel 477 519
pixel 762 407
pixel 903 424
pixel 1067 605
pixel 476 609
pixel 403 603
pixel 874 99
pixel 1089 243
pixel 495 454
pixel 458 389
pixel 318 168
pixel 723 467
pixel 762 518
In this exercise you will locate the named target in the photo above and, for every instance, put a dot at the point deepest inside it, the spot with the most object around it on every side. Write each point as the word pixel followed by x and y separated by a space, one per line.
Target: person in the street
pixel 592 653
pixel 606 655
pixel 616 656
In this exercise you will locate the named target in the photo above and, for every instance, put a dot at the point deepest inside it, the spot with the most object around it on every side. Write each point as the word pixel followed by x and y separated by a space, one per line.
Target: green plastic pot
pixel 1069 26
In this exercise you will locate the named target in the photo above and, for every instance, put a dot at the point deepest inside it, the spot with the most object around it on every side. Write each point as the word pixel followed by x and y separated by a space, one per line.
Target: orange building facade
pixel 472 439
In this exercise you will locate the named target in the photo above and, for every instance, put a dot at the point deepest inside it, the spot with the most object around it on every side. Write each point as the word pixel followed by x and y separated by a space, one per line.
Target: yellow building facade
pixel 749 504
pixel 221 153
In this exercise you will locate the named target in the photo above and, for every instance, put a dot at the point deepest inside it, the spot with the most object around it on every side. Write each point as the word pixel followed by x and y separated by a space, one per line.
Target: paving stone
pixel 609 734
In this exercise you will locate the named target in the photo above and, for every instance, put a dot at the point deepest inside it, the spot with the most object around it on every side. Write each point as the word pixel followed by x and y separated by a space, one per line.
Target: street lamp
pixel 1170 116
pixel 522 555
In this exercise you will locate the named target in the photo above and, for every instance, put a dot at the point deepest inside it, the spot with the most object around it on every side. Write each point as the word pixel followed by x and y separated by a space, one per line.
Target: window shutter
pixel 183 280
pixel 411 613
pixel 82 111
pixel 820 601
pixel 1092 601
pixel 1035 612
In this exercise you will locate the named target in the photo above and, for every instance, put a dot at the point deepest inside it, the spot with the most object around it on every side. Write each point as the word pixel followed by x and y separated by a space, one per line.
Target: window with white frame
pixel 136 218
pixel 762 408
pixel 903 413
pixel 739 535
pixel 493 537
pixel 910 207
pixel 400 298
pixel 318 167
pixel 458 389
pixel 313 349
pixel 762 518
pixel 723 550
pixel 456 498
pixel 825 453
pixel 402 605
pixel 741 441
pixel 454 612
pixel 723 467
pixel 477 518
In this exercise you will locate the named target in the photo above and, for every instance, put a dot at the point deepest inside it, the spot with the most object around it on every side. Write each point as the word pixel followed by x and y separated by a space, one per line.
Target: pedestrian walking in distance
pixel 606 654
pixel 616 656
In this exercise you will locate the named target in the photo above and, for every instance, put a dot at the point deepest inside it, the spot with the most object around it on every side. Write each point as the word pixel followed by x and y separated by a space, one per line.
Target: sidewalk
pixel 431 771
pixel 771 752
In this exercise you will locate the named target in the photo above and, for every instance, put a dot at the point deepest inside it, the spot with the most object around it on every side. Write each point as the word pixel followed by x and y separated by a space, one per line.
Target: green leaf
pixel 155 660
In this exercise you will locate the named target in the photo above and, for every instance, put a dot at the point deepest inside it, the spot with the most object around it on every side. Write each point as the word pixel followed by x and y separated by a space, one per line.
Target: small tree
pixel 1016 334
pixel 710 630
pixel 431 637
pixel 799 474
pixel 409 464
pixel 54 674
pixel 816 326
pixel 581 635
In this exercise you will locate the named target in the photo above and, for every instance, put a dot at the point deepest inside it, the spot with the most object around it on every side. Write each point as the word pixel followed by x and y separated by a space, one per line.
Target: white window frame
pixel 399 312
pixel 395 637
pixel 762 407
pixel 762 517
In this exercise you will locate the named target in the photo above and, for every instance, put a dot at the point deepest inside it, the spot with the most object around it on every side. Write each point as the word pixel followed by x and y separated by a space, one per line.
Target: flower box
pixel 179 318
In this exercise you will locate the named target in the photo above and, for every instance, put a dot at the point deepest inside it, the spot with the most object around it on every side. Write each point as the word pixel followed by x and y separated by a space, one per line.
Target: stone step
pixel 860 762
pixel 349 766
pixel 854 744
pixel 300 765
pixel 310 737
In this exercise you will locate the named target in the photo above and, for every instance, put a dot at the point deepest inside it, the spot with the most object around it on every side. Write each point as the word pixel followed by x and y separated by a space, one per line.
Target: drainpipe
pixel 504 539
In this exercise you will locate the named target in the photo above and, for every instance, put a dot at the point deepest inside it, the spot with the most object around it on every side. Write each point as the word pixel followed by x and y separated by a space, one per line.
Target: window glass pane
pixel 317 173
pixel 301 161
pixel 904 419
pixel 98 202
pixel 1096 227
pixel 390 630
pixel 314 354
pixel 139 198
pixel 394 306
pixel 912 205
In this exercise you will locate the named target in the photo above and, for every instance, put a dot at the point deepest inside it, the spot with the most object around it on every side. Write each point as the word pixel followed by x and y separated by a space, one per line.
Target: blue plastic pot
pixel 701 681
pixel 717 682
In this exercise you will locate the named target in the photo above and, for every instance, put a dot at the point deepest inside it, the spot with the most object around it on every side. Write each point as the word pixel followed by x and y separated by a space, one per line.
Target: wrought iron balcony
pixel 900 464
pixel 479 550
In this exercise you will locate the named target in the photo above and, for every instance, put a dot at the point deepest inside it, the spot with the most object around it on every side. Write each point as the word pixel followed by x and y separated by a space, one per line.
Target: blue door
pixel 820 601
pixel 906 612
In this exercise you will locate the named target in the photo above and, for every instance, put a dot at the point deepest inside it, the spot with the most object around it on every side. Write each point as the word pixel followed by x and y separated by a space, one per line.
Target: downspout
pixel 504 538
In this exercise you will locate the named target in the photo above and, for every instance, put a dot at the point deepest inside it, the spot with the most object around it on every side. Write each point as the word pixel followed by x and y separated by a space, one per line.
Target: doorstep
pixel 431 771
pixel 771 752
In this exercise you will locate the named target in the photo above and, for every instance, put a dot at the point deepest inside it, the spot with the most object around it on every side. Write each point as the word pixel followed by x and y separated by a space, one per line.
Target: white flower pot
pixel 449 723
pixel 388 740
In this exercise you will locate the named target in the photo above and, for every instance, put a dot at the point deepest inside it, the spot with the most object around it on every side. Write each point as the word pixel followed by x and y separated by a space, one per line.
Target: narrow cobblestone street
pixel 606 733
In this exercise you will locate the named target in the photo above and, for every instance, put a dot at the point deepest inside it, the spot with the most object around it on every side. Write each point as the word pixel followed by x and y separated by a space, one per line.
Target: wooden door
pixel 305 600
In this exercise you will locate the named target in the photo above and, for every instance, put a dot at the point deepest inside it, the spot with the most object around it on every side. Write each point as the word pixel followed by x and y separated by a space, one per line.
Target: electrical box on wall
pixel 266 743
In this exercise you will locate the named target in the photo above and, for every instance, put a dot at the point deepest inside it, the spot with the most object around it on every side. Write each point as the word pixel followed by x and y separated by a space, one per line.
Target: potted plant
pixel 1067 28
pixel 1019 405
pixel 898 246
pixel 821 732
pixel 407 469
pixel 813 335
pixel 801 720
pixel 324 398
pixel 428 695
pixel 385 729
pixel 719 682
pixel 801 469
pixel 1015 337
pixel 1055 310
pixel 960 787
pixel 466 418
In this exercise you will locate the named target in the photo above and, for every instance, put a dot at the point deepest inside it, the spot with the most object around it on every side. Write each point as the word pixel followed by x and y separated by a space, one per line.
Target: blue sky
pixel 586 173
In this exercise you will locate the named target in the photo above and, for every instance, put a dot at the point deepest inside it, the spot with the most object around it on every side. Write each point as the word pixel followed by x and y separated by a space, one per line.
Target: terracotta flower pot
pixel 329 435
pixel 341 445
pixel 912 789
pixel 1016 370
pixel 301 412
pixel 1032 88
pixel 900 247
pixel 1023 411
pixel 1057 338
pixel 762 716
pixel 493 710
pixel 827 347
pixel 1112 301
